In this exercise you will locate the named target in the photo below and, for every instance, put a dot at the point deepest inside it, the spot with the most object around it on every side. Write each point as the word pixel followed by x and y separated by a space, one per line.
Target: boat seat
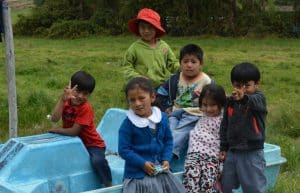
pixel 109 131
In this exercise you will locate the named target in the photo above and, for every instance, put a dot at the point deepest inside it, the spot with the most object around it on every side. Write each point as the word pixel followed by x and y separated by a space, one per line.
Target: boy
pixel 78 120
pixel 178 96
pixel 149 56
pixel 243 132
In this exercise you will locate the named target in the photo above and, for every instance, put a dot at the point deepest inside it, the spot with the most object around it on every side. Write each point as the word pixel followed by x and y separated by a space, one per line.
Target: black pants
pixel 100 164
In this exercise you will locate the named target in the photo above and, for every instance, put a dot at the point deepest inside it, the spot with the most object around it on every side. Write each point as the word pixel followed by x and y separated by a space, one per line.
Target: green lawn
pixel 43 68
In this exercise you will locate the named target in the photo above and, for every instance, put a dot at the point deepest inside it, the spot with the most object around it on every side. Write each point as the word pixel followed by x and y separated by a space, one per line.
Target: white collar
pixel 138 121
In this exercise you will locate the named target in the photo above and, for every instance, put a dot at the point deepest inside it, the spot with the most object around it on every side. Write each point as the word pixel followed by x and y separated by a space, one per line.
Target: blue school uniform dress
pixel 147 139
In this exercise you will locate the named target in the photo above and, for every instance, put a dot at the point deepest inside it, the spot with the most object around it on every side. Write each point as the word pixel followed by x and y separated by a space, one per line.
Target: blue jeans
pixel 100 164
pixel 245 168
pixel 181 123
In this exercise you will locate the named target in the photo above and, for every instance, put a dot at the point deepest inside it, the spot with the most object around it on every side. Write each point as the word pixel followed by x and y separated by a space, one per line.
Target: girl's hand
pixel 222 155
pixel 149 168
pixel 165 165
pixel 69 93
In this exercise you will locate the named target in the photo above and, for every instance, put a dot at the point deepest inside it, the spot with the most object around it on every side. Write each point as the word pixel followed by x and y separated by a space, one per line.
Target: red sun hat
pixel 149 16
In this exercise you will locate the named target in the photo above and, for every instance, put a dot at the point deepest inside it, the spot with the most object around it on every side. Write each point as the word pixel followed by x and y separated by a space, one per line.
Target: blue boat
pixel 52 163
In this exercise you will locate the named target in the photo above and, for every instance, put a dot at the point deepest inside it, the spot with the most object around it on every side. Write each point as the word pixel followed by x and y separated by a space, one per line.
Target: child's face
pixel 190 66
pixel 80 97
pixel 147 31
pixel 249 87
pixel 210 108
pixel 140 101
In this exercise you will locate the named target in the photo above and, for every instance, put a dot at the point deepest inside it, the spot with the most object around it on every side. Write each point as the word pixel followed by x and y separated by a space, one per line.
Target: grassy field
pixel 43 68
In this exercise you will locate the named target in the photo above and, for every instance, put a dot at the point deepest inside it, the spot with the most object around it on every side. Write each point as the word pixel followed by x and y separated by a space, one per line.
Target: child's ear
pixel 257 84
pixel 153 97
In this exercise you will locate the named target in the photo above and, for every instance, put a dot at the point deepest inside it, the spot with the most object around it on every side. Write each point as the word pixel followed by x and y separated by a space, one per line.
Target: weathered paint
pixel 47 163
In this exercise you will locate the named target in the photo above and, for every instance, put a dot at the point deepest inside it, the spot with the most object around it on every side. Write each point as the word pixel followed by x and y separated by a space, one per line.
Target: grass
pixel 16 12
pixel 43 68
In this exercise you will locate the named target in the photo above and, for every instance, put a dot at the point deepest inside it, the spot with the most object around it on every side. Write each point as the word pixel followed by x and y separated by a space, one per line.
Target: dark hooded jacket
pixel 243 124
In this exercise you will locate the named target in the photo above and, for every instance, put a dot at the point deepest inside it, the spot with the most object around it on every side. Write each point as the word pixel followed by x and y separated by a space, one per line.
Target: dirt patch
pixel 20 4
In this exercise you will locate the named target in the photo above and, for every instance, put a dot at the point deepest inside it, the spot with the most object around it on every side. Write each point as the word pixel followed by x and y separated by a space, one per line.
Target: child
pixel 201 168
pixel 179 96
pixel 149 56
pixel 78 120
pixel 145 143
pixel 243 132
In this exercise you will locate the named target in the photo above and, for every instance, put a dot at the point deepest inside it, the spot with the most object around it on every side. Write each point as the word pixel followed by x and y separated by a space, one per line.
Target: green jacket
pixel 157 64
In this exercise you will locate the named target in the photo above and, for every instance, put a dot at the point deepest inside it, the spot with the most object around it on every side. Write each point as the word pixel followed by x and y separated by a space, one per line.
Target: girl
pixel 201 169
pixel 145 143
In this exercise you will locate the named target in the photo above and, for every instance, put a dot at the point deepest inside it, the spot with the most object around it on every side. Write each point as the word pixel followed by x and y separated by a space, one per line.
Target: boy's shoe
pixel 108 184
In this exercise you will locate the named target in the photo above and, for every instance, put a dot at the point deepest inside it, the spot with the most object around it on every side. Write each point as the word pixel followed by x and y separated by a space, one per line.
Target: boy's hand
pixel 54 130
pixel 238 93
pixel 196 93
pixel 168 110
pixel 149 168
pixel 222 155
pixel 69 92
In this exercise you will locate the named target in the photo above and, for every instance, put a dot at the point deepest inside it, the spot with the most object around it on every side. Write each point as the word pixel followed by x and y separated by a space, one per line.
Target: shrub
pixel 71 29
pixel 50 12
pixel 38 2
pixel 108 22
pixel 32 25
pixel 280 23
pixel 181 18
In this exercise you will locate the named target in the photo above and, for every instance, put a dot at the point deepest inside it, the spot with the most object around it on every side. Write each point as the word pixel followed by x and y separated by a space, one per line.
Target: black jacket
pixel 243 124
pixel 166 93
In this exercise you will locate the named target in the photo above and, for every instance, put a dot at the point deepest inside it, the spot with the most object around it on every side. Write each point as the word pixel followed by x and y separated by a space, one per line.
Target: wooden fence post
pixel 10 62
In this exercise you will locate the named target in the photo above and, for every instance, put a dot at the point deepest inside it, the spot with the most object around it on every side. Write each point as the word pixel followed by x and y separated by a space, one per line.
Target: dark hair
pixel 214 92
pixel 84 81
pixel 245 72
pixel 139 82
pixel 191 49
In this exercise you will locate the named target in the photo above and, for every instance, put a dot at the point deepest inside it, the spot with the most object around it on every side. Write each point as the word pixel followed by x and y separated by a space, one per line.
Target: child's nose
pixel 137 103
pixel 190 64
pixel 81 95
pixel 209 109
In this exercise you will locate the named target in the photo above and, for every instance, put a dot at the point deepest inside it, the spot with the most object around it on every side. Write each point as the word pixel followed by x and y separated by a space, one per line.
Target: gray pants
pixel 245 168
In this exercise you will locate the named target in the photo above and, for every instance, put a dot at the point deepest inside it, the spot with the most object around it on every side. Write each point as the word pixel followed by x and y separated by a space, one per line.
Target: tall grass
pixel 43 68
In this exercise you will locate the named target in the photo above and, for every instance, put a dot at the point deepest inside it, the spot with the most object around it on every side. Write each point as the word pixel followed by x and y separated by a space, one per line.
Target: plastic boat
pixel 52 163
